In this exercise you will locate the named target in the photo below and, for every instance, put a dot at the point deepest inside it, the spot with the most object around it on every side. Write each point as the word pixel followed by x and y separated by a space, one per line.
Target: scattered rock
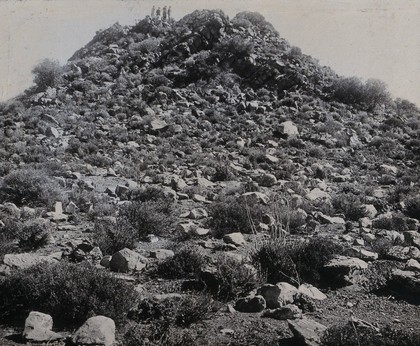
pixel 250 304
pixel 127 260
pixel 98 331
pixel 311 292
pixel 287 312
pixel 236 239
pixel 278 295
pixel 307 331
pixel 161 254
pixel 38 328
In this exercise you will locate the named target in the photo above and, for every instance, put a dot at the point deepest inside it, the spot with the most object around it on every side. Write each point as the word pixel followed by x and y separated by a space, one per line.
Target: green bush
pixel 31 187
pixel 69 293
pixel 352 334
pixel 295 262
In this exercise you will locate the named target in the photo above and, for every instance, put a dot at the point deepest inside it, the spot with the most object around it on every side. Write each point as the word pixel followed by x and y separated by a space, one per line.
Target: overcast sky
pixel 367 38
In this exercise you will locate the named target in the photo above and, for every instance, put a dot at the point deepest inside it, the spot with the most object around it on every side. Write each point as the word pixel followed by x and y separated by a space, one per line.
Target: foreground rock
pixel 127 260
pixel 98 330
pixel 26 260
pixel 278 295
pixel 307 332
pixel 250 304
pixel 343 270
pixel 38 328
pixel 287 312
pixel 409 280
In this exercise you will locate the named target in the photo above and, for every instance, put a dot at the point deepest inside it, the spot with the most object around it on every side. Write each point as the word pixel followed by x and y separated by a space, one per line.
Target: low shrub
pixel 234 278
pixel 229 215
pixel 34 234
pixel 159 334
pixel 149 217
pixel 353 334
pixel 397 222
pixel 186 263
pixel 113 235
pixel 350 205
pixel 177 310
pixel 295 262
pixel 412 207
pixel 30 187
pixel 69 293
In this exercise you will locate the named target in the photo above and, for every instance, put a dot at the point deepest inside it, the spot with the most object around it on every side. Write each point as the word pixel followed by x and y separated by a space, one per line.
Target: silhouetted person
pixel 169 12
pixel 164 13
pixel 153 11
pixel 158 12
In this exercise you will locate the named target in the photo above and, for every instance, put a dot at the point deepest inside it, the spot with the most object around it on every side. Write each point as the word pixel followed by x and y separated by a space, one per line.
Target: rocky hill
pixel 200 182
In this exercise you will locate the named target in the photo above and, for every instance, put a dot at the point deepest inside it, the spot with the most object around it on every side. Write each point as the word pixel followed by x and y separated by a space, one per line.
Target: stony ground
pixel 215 136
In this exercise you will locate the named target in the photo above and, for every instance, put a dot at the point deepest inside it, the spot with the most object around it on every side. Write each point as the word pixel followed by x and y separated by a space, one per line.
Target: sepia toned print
pixel 209 173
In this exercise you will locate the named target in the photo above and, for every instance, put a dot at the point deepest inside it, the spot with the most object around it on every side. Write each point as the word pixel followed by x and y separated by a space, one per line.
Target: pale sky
pixel 367 38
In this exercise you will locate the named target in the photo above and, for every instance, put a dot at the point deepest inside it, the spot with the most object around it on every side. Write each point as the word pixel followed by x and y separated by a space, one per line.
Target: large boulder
pixel 307 332
pixel 343 270
pixel 412 238
pixel 127 260
pixel 401 253
pixel 38 328
pixel 410 280
pixel 98 331
pixel 26 260
pixel 278 295
pixel 250 304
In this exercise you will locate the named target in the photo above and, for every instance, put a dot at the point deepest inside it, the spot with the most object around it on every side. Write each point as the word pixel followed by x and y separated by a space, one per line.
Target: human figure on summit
pixel 164 13
pixel 153 11
pixel 158 12
pixel 169 13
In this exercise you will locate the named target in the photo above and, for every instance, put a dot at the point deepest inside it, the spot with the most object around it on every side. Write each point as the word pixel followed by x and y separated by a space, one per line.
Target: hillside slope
pixel 229 161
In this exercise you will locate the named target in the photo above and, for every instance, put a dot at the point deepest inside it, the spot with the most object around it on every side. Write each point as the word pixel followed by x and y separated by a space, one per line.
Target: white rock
pixel 98 331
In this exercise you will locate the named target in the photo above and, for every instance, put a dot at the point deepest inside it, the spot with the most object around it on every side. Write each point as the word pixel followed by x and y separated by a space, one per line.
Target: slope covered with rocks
pixel 202 181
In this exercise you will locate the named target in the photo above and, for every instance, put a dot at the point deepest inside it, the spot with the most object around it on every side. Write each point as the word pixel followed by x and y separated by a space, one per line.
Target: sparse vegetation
pixel 70 293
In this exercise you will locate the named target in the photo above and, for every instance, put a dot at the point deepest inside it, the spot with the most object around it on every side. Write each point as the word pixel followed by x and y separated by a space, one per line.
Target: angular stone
pixel 410 280
pixel 127 260
pixel 26 260
pixel 412 265
pixel 98 331
pixel 401 253
pixel 287 312
pixel 252 198
pixel 412 238
pixel 161 254
pixel 250 304
pixel 236 239
pixel 38 328
pixel 311 292
pixel 318 194
pixel 278 295
pixel 307 332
